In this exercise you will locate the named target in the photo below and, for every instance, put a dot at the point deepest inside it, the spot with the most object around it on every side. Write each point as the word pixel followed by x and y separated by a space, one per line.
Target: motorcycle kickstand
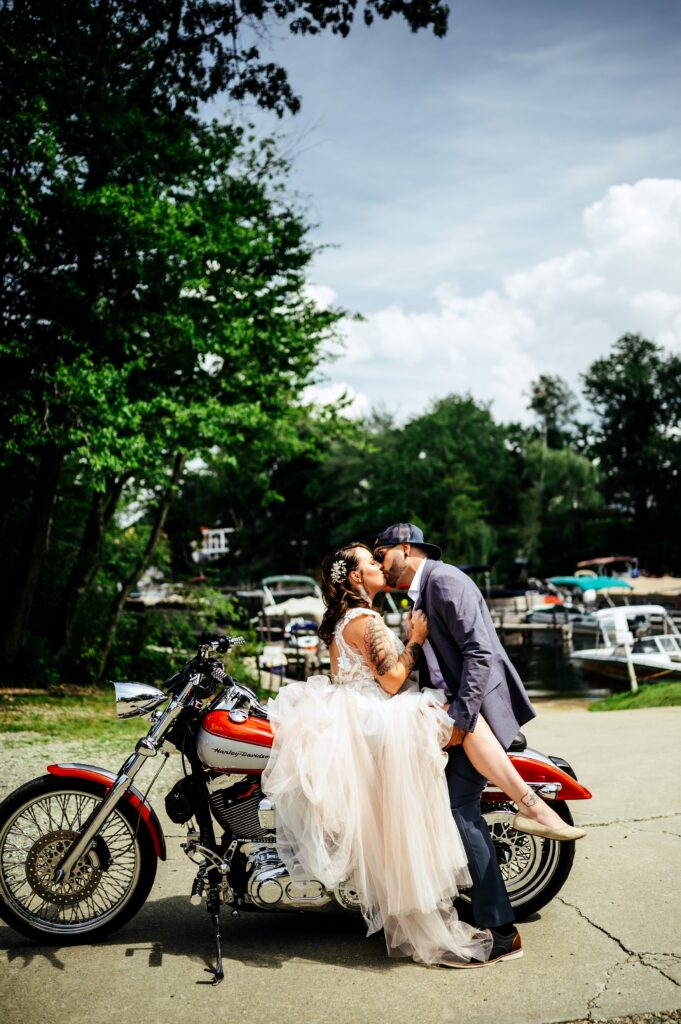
pixel 217 971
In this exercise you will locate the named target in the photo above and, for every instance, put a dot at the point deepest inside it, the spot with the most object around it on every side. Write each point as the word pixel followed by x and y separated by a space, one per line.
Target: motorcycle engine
pixel 270 886
pixel 234 802
pixel 237 804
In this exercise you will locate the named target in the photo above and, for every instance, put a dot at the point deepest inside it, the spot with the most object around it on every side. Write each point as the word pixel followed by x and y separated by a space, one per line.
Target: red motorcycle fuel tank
pixel 234 742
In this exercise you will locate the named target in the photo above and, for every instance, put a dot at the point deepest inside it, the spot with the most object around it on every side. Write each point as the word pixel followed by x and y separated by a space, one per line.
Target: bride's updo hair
pixel 339 596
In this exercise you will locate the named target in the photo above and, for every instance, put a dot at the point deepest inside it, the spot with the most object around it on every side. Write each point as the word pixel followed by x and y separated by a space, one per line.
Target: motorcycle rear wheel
pixel 108 885
pixel 534 869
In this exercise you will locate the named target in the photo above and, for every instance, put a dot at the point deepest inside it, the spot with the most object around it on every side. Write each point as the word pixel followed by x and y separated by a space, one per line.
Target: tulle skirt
pixel 357 780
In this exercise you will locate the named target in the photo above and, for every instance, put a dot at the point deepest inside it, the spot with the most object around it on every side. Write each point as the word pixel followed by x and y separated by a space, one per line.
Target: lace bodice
pixel 353 668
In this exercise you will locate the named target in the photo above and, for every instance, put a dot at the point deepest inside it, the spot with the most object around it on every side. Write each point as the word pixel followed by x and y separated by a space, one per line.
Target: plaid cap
pixel 405 533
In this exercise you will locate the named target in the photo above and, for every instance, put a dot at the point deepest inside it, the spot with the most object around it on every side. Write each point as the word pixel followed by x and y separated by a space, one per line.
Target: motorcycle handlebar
pixel 213 641
pixel 218 642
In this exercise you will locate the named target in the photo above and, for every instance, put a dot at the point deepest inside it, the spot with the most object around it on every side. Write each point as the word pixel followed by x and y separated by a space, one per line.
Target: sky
pixel 498 204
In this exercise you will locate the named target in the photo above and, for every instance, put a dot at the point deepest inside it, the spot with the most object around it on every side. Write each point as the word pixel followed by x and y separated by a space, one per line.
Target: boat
pixel 614 566
pixel 643 635
pixel 589 585
pixel 579 595
pixel 564 614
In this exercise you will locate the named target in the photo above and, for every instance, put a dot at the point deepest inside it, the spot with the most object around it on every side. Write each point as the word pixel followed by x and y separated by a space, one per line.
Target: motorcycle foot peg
pixel 197 891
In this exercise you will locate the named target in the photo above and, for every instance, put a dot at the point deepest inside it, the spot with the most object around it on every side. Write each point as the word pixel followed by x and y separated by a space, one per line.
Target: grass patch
pixel 88 715
pixel 656 695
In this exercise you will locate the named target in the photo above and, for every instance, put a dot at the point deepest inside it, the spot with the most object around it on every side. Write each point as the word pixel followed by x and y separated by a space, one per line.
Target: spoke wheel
pixel 534 869
pixel 110 882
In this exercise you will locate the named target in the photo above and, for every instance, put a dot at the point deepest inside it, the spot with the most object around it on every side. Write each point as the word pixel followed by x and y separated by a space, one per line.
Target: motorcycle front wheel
pixel 108 885
pixel 534 869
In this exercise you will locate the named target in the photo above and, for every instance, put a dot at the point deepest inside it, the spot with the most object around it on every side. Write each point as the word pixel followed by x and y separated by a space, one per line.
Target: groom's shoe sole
pixel 500 951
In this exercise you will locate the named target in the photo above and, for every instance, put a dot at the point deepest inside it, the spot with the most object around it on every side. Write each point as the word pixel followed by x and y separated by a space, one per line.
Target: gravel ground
pixel 638 1018
pixel 26 755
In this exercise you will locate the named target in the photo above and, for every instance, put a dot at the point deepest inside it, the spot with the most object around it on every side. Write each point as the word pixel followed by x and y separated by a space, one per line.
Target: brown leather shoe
pixel 504 947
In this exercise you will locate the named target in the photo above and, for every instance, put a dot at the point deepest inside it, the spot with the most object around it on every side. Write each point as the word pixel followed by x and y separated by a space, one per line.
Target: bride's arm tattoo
pixel 380 646
pixel 410 655
pixel 382 652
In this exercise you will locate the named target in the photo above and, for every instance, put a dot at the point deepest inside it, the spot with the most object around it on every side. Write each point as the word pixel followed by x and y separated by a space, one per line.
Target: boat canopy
pixel 589 582
pixel 608 566
pixel 633 611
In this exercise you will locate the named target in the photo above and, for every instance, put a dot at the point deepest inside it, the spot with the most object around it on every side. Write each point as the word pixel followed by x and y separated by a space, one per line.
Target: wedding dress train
pixel 357 780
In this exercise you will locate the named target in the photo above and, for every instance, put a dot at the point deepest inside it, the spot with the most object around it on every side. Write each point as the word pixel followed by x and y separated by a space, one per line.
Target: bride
pixel 357 776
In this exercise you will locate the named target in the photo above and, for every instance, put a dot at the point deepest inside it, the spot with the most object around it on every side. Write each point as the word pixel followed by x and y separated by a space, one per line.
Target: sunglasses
pixel 380 553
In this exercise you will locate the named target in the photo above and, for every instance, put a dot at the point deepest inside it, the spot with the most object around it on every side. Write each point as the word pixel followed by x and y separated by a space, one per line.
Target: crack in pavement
pixel 632 957
pixel 591 1005
pixel 657 832
pixel 632 821
pixel 651 1017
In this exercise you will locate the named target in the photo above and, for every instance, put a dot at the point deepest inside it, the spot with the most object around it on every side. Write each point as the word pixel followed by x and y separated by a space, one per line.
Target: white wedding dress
pixel 357 780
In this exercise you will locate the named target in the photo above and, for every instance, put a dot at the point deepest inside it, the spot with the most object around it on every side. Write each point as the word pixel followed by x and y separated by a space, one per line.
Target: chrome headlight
pixel 134 699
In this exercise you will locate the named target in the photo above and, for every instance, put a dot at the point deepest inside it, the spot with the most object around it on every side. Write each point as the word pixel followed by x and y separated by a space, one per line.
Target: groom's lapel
pixel 422 600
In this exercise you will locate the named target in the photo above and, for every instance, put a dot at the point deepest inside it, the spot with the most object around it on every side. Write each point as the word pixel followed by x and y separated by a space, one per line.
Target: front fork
pixel 146 747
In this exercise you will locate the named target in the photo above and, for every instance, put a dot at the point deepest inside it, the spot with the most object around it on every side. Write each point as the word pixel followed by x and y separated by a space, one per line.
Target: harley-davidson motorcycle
pixel 79 847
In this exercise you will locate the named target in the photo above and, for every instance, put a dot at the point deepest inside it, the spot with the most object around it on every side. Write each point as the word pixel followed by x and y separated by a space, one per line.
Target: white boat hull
pixel 650 668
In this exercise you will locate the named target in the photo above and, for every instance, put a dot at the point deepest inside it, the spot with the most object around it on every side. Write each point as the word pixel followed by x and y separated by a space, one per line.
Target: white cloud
pixel 554 317
pixel 321 294
pixel 332 393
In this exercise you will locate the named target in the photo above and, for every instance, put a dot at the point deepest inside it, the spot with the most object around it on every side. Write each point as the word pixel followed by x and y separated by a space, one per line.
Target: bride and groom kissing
pixel 377 781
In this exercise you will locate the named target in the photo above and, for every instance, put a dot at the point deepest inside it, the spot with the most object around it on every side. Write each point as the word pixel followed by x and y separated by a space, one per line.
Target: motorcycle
pixel 79 847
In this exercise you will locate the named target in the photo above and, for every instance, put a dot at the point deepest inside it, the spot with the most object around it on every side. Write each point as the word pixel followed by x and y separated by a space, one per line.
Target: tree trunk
pixel 36 540
pixel 143 563
pixel 87 564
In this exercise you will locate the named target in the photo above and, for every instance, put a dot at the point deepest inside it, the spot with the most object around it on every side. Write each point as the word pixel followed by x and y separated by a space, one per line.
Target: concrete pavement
pixel 608 946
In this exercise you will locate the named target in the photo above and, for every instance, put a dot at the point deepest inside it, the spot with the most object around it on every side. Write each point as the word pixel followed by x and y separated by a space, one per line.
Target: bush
pixel 152 644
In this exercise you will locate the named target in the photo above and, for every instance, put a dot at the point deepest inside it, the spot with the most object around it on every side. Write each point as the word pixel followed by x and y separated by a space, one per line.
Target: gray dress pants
pixel 490 904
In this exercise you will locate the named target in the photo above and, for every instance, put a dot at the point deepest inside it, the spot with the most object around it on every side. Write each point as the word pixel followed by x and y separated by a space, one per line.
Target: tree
pixel 635 393
pixel 215 346
pixel 559 497
pixel 554 404
pixel 124 216
pixel 448 470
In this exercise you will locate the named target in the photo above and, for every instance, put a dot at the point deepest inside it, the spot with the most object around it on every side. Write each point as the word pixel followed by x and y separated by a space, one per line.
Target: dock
pixel 513 630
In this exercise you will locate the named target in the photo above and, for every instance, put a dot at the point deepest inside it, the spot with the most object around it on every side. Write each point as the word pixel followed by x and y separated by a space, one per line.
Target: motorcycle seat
pixel 518 745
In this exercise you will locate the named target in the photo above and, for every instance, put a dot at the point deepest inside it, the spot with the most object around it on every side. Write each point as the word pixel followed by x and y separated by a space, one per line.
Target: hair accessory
pixel 339 571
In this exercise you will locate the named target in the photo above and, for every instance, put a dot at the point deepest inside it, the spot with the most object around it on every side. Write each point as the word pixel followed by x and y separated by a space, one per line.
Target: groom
pixel 464 657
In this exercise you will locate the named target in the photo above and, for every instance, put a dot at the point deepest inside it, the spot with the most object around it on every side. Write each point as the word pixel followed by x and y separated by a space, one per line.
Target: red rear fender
pixel 133 796
pixel 537 768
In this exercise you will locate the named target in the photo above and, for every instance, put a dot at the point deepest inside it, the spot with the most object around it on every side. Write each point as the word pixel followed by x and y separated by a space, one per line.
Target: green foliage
pixel 88 714
pixel 554 404
pixel 655 695
pixel 152 644
pixel 636 395
pixel 561 494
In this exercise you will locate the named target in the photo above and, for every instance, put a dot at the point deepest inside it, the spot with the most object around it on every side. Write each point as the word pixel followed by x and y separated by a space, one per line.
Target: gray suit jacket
pixel 479 675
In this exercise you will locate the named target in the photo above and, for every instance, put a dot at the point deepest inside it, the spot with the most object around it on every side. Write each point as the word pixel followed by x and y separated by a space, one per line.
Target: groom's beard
pixel 392 576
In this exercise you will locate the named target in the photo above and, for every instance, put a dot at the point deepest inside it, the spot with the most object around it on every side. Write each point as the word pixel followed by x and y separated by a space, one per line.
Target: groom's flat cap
pixel 405 533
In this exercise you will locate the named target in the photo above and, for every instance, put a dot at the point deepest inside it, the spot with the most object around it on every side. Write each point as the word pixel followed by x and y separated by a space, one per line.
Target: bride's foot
pixel 536 818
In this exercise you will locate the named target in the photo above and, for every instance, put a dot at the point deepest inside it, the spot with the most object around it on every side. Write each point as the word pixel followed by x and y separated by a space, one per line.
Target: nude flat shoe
pixel 561 833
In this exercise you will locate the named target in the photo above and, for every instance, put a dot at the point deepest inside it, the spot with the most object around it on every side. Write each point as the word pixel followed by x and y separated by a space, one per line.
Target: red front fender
pixel 536 767
pixel 133 796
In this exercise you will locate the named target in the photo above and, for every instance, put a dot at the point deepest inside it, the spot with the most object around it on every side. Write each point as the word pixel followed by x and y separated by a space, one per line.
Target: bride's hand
pixel 417 627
